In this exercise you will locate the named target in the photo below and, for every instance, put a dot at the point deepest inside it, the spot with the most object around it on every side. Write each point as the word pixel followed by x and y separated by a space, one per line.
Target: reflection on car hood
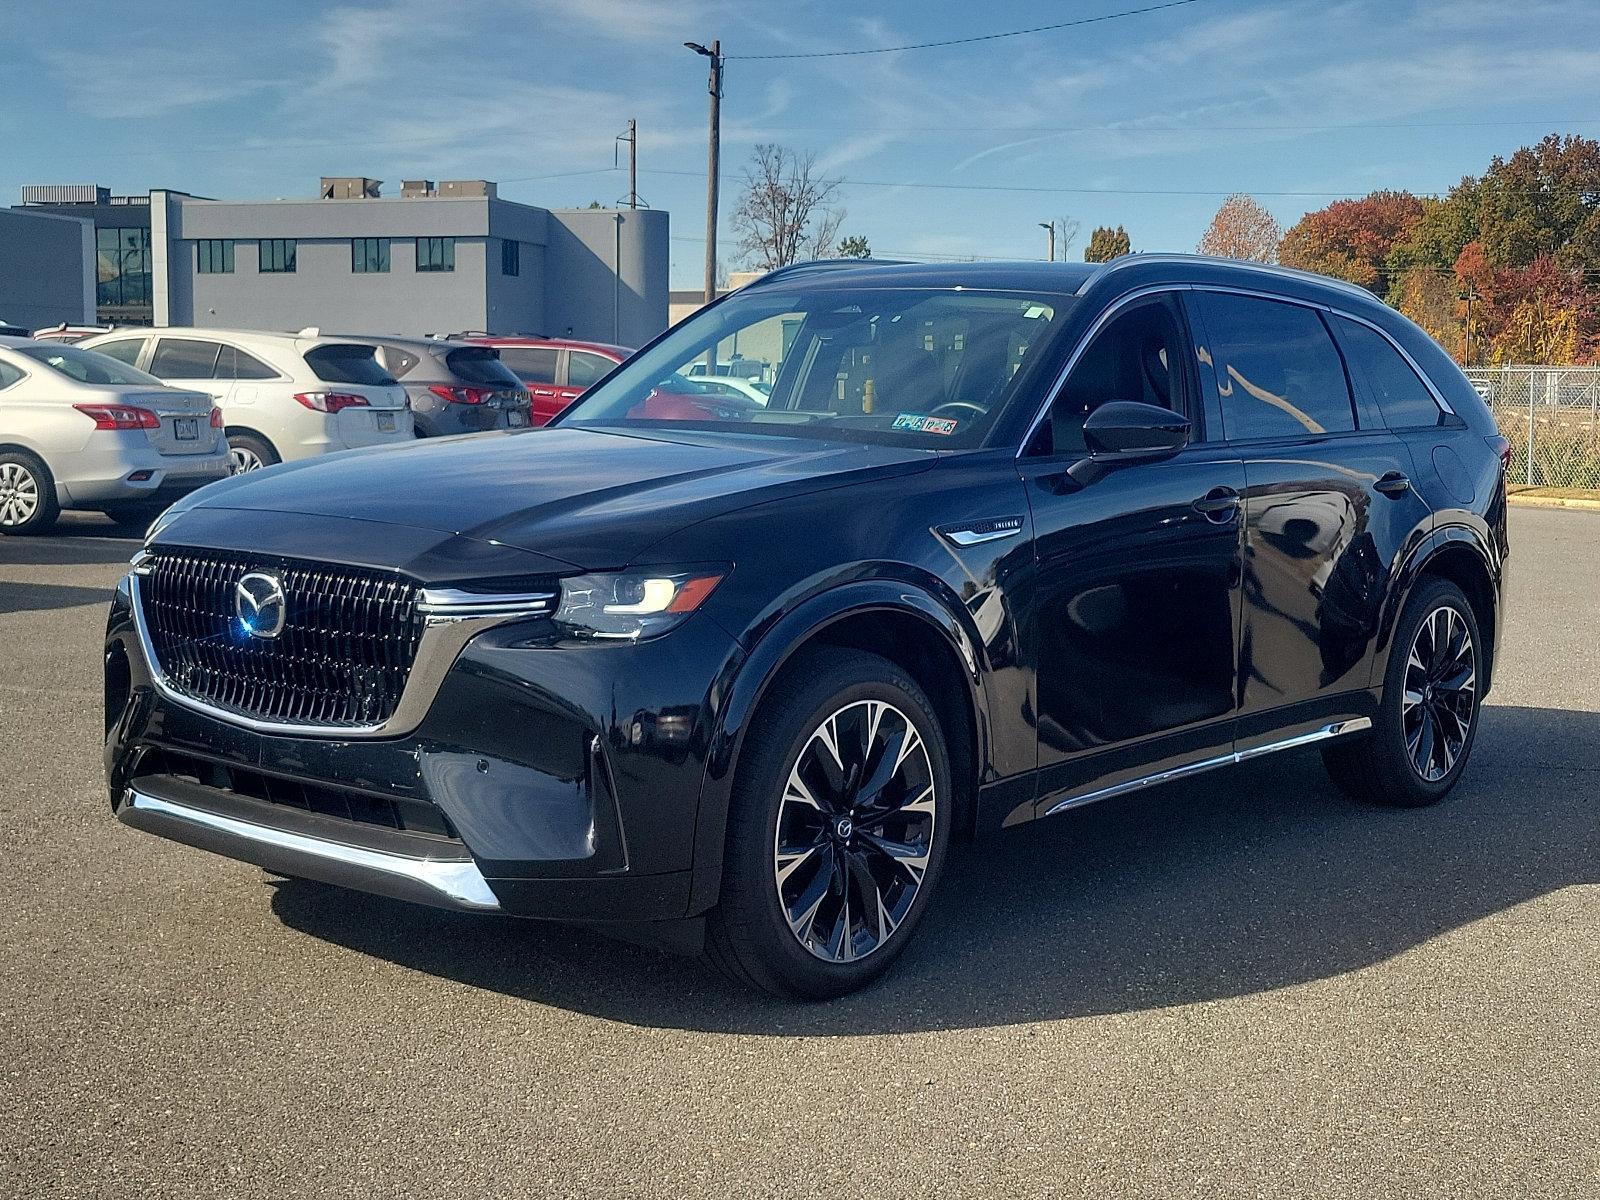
pixel 590 498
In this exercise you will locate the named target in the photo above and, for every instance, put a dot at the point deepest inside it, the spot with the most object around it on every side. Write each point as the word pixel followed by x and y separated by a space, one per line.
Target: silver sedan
pixel 82 430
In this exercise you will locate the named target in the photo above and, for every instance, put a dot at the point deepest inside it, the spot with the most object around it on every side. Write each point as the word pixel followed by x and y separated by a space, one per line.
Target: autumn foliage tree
pixel 1352 239
pixel 1242 229
pixel 1106 243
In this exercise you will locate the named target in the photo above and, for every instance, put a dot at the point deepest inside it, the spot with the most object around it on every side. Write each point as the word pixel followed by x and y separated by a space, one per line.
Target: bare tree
pixel 1242 229
pixel 1066 233
pixel 785 213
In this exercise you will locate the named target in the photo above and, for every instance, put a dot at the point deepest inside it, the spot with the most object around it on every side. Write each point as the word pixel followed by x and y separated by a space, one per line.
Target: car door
pixel 539 368
pixel 1132 619
pixel 1328 505
pixel 190 363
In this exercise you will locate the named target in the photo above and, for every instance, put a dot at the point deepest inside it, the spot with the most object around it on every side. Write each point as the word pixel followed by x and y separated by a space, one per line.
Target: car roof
pixel 551 343
pixel 404 343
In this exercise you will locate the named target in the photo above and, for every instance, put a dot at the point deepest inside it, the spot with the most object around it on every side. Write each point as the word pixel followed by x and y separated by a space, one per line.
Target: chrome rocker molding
pixel 1336 729
pixel 450 618
pixel 444 884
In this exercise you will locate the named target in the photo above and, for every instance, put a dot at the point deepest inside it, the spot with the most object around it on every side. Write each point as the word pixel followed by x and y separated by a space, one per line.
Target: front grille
pixel 405 813
pixel 348 640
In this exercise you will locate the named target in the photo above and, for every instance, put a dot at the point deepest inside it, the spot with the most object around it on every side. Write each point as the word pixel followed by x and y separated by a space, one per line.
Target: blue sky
pixel 1146 121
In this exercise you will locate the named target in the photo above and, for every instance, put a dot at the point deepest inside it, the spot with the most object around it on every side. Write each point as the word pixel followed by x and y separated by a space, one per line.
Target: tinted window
pixel 234 363
pixel 277 256
pixel 126 350
pixel 584 369
pixel 85 365
pixel 8 375
pixel 214 257
pixel 436 254
pixel 1399 391
pixel 480 364
pixel 347 363
pixel 510 258
pixel 531 364
pixel 123 271
pixel 180 358
pixel 369 256
pixel 1277 370
pixel 399 362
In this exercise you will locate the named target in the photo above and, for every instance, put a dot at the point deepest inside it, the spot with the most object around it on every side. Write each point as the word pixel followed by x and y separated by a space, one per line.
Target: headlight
pixel 633 605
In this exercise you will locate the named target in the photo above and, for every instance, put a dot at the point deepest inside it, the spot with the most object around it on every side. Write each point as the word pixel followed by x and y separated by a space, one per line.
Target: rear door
pixel 540 368
pixel 189 363
pixel 1328 506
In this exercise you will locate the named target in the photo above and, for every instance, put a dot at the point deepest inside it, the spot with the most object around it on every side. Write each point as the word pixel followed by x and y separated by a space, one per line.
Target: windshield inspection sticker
pixel 921 424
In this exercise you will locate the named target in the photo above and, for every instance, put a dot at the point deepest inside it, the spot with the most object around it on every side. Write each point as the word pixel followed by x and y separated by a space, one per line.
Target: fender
pixel 1449 530
pixel 770 648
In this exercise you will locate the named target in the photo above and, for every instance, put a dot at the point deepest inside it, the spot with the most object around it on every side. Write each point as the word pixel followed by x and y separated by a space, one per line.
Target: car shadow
pixel 80 539
pixel 1250 879
pixel 34 597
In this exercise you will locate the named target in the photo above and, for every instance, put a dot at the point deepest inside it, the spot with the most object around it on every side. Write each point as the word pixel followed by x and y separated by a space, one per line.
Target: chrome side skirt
pixel 1333 730
pixel 443 883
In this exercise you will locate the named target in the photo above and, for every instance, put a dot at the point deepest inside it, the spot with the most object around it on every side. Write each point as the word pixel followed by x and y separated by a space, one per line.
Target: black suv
pixel 1000 540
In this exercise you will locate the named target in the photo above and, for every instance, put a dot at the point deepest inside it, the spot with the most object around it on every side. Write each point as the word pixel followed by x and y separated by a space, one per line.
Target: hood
pixel 587 498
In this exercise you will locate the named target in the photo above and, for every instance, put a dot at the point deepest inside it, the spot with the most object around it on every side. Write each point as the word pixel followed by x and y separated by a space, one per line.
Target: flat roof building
pixel 438 258
pixel 47 269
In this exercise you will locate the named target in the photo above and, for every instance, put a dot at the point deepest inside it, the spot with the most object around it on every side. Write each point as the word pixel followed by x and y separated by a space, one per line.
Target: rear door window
pixel 585 369
pixel 1402 396
pixel 1278 372
pixel 480 364
pixel 531 364
pixel 124 350
pixel 184 358
pixel 345 362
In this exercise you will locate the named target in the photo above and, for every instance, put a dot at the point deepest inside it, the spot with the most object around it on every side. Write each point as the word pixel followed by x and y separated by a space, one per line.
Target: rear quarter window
pixel 480 364
pixel 345 362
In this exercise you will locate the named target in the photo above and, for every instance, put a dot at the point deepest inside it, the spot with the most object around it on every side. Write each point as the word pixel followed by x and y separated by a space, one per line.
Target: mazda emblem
pixel 260 604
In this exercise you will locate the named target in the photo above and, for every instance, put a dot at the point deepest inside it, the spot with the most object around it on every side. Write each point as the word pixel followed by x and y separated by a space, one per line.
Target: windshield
pixel 86 366
pixel 914 366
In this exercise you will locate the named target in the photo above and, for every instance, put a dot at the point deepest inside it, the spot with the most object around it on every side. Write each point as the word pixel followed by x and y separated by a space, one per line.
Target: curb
pixel 1553 502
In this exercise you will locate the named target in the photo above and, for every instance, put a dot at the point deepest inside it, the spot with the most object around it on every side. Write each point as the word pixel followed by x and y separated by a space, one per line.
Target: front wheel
pixel 1423 733
pixel 839 825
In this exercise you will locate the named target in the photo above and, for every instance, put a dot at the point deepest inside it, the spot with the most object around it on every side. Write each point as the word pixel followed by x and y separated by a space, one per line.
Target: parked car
pixel 72 333
pixel 1006 539
pixel 453 387
pixel 284 396
pixel 722 385
pixel 555 371
pixel 80 430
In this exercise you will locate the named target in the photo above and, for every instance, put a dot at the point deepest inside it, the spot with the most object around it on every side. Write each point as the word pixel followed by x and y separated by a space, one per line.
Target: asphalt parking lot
pixel 1240 986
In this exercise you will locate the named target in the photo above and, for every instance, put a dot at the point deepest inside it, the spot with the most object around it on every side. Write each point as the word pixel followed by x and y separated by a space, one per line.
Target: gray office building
pixel 436 258
pixel 47 269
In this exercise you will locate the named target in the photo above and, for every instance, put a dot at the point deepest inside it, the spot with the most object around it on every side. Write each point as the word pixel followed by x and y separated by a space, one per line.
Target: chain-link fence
pixel 1551 417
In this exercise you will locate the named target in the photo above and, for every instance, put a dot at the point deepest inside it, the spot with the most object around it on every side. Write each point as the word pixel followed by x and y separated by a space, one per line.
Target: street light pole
pixel 1050 228
pixel 713 164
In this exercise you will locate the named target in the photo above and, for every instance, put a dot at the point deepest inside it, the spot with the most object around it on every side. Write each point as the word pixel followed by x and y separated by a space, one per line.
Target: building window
pixel 215 256
pixel 369 256
pixel 436 254
pixel 277 256
pixel 123 269
pixel 510 258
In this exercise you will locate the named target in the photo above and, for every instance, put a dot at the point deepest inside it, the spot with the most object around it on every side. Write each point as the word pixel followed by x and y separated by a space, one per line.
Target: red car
pixel 556 371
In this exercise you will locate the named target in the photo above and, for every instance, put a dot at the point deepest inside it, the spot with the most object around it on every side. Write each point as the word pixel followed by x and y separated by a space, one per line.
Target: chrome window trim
pixel 1331 730
pixel 447 628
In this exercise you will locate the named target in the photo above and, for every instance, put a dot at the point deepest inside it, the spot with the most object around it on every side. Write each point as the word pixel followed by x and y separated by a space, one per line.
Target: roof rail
pixel 1343 285
pixel 826 264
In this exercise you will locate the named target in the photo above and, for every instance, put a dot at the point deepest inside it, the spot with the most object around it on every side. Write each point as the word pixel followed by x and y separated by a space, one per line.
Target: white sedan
pixel 81 430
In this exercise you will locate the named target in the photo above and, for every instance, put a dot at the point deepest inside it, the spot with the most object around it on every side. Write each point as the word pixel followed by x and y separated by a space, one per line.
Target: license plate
pixel 186 429
pixel 385 422
pixel 516 420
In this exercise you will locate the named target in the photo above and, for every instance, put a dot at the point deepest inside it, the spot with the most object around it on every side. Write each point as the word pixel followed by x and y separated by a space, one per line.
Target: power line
pixel 1130 126
pixel 966 41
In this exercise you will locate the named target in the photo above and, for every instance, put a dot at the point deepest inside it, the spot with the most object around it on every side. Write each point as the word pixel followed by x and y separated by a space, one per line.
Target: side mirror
pixel 1130 429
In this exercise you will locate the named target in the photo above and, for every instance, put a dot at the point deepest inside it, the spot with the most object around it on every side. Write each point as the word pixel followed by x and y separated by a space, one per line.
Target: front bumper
pixel 564 778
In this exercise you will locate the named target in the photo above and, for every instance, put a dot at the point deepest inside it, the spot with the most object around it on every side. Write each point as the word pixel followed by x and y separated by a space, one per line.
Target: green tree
pixel 1106 243
pixel 1544 199
pixel 854 246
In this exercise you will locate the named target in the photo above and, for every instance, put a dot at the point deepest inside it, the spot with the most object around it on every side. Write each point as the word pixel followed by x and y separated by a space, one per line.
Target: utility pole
pixel 713 164
pixel 1050 228
pixel 1466 349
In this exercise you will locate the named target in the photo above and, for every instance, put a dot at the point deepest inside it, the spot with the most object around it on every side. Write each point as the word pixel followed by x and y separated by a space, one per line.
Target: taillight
pixel 462 395
pixel 119 416
pixel 1503 449
pixel 216 418
pixel 331 402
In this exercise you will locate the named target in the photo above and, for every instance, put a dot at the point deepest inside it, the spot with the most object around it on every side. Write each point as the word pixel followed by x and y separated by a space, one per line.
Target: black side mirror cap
pixel 1129 429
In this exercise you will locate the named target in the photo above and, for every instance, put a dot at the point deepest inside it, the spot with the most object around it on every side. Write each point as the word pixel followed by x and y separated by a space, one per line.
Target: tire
pixel 28 503
pixel 1417 749
pixel 136 515
pixel 785 922
pixel 250 453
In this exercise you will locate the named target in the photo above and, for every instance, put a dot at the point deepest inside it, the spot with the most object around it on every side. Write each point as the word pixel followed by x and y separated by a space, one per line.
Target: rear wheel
pixel 838 828
pixel 1428 721
pixel 250 453
pixel 137 514
pixel 27 494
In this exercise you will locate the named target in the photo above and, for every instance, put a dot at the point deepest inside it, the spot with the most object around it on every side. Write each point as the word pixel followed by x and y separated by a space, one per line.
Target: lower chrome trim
pixel 1333 730
pixel 447 884
pixel 446 631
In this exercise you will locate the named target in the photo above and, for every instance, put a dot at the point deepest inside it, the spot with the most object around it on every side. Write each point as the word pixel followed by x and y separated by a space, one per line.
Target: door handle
pixel 1393 484
pixel 1218 505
